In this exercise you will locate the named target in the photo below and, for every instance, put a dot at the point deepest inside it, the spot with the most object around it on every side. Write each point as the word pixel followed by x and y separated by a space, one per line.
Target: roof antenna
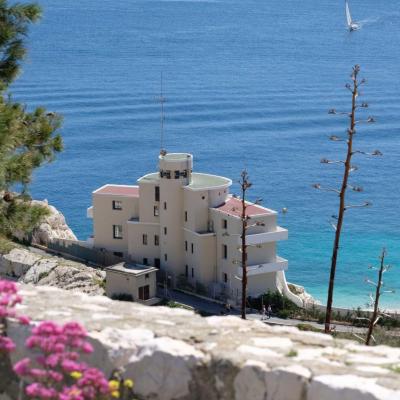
pixel 162 100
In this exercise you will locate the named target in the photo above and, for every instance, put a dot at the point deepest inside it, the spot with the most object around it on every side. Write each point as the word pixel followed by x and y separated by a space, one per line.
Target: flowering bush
pixel 56 371
pixel 9 298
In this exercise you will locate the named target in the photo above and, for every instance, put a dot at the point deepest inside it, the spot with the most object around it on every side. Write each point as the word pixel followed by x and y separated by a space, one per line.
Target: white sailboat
pixel 350 23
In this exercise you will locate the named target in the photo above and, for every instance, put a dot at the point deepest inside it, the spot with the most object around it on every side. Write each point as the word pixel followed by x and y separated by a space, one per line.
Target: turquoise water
pixel 248 84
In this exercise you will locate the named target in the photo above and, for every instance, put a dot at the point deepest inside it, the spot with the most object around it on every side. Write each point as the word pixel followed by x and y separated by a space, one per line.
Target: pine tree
pixel 27 139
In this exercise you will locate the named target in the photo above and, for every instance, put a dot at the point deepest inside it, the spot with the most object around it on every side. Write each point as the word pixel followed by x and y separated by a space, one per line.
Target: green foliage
pixel 292 353
pixel 20 216
pixel 14 23
pixel 28 139
pixel 122 297
pixel 284 314
pixel 308 327
pixel 280 304
pixel 7 245
pixel 174 304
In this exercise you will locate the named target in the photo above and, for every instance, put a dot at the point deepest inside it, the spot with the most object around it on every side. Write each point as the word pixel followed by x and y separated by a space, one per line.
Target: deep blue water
pixel 248 84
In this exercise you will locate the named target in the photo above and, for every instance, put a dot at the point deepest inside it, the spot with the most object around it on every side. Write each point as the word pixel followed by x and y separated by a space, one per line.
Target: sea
pixel 248 85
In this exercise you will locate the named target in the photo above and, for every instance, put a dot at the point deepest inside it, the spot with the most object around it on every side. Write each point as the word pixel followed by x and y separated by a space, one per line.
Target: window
pixel 145 261
pixel 177 174
pixel 203 197
pixel 165 205
pixel 186 271
pixel 157 193
pixel 117 231
pixel 165 230
pixel 192 247
pixel 157 263
pixel 167 174
pixel 144 239
pixel 224 224
pixel 186 247
pixel 224 251
pixel 117 205
pixel 146 276
pixel 144 292
pixel 185 216
pixel 165 257
pixel 118 253
pixel 185 173
pixel 192 272
pixel 156 240
pixel 156 212
pixel 225 277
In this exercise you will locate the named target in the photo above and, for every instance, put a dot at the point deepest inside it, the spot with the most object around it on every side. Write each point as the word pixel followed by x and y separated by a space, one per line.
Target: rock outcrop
pixel 175 354
pixel 41 269
pixel 52 227
pixel 301 292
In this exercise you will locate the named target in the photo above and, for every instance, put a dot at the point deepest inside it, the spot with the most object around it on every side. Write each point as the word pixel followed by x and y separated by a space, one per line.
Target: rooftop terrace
pixel 130 268
pixel 119 190
pixel 206 181
pixel 234 207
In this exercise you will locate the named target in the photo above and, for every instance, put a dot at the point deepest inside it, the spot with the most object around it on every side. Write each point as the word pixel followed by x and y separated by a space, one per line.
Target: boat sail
pixel 350 24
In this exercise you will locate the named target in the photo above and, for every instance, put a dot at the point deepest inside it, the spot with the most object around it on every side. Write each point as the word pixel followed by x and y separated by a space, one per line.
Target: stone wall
pixel 175 354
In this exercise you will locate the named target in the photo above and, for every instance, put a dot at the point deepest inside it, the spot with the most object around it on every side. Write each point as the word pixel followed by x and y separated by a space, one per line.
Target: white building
pixel 137 281
pixel 187 225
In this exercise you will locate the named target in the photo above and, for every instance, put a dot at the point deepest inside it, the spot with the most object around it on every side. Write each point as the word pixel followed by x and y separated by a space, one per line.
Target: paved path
pixel 213 308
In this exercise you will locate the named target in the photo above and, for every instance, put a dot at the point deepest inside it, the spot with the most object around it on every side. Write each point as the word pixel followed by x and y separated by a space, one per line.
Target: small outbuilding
pixel 132 281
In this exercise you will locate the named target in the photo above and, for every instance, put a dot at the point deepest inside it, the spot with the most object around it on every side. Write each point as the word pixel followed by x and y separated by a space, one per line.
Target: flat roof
pixel 153 177
pixel 130 268
pixel 176 156
pixel 206 181
pixel 119 190
pixel 233 206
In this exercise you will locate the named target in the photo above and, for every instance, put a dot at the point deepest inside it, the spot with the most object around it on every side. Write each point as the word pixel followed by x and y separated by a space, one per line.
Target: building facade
pixel 188 226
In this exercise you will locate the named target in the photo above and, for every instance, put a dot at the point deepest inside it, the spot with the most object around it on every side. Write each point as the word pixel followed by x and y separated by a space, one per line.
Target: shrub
pixel 283 314
pixel 122 297
pixel 278 303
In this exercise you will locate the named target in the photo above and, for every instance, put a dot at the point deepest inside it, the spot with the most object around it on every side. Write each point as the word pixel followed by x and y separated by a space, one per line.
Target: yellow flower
pixel 113 384
pixel 128 383
pixel 76 374
pixel 115 393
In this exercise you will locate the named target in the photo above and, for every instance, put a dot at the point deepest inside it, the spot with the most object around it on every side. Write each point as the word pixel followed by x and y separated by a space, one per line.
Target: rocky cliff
pixel 52 227
pixel 29 265
pixel 175 354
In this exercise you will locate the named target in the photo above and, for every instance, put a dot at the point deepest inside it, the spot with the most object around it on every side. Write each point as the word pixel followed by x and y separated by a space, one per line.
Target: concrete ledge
pixel 175 354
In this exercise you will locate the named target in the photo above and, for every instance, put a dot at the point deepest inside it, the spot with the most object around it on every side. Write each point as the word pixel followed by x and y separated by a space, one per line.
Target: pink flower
pixel 40 391
pixel 6 344
pixel 70 366
pixel 24 320
pixel 37 373
pixel 22 367
pixel 87 348
pixel 55 376
pixel 71 393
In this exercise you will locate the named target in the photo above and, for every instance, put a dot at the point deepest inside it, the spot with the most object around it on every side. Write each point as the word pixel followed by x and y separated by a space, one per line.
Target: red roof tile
pixel 234 207
pixel 120 190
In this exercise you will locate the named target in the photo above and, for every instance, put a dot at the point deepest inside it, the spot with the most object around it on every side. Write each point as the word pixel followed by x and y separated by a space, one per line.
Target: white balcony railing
pixel 89 212
pixel 279 265
pixel 265 237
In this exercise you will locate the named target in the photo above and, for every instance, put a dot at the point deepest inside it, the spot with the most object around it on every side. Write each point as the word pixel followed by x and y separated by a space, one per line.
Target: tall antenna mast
pixel 162 100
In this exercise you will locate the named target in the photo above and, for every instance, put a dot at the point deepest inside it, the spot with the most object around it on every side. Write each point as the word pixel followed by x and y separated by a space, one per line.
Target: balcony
pixel 279 265
pixel 265 237
pixel 89 212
